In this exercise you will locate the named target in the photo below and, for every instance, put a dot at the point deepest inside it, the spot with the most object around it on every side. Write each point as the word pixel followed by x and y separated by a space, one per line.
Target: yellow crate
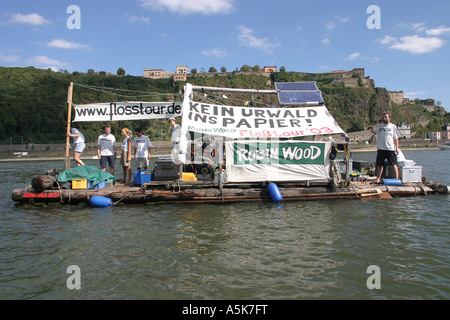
pixel 79 184
pixel 189 176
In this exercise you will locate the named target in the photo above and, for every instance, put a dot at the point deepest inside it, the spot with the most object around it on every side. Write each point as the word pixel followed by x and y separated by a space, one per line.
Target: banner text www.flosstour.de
pixel 117 111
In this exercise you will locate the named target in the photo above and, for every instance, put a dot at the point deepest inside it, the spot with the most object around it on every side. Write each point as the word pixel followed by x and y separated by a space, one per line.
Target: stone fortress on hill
pixel 352 78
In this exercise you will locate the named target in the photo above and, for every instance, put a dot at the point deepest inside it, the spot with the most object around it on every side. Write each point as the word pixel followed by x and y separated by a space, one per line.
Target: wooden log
pixel 256 194
pixel 404 191
pixel 438 188
pixel 42 183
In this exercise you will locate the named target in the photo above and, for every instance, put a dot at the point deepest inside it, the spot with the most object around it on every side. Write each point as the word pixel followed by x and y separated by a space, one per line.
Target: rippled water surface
pixel 293 250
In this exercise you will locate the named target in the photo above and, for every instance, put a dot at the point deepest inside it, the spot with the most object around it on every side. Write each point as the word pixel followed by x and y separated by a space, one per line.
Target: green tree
pixel 121 72
pixel 246 68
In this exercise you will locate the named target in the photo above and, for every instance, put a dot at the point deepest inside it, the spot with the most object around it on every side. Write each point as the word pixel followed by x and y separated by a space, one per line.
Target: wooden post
pixel 69 114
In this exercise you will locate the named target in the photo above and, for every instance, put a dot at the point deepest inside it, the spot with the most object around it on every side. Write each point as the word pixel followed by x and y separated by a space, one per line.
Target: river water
pixel 267 251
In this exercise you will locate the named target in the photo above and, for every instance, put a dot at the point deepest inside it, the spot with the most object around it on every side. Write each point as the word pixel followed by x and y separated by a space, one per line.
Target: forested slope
pixel 33 102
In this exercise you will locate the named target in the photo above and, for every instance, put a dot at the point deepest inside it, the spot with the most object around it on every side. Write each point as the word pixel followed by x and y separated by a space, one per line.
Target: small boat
pixel 446 146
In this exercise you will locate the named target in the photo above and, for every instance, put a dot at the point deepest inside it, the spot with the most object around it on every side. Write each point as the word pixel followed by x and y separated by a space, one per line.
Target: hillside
pixel 33 102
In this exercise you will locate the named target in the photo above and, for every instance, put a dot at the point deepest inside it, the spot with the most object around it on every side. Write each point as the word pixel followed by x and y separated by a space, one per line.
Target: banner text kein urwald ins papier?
pixel 238 122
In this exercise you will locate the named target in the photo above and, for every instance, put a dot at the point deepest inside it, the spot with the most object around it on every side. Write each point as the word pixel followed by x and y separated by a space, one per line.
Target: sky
pixel 403 45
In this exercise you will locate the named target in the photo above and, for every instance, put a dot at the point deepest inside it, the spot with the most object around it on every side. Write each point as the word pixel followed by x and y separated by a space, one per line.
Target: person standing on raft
pixel 142 150
pixel 79 141
pixel 125 159
pixel 179 145
pixel 106 150
pixel 387 144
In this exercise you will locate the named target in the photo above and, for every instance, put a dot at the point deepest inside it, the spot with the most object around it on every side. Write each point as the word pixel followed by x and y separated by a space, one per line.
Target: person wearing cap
pixel 125 159
pixel 142 150
pixel 176 132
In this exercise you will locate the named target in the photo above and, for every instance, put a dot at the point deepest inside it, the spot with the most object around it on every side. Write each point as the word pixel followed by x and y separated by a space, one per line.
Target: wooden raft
pixel 202 192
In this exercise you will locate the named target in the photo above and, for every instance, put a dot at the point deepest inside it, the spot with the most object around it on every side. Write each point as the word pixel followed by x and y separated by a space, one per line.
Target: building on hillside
pixel 182 70
pixel 157 74
pixel 404 130
pixel 445 133
pixel 353 78
pixel 361 136
pixel 342 74
pixel 397 97
pixel 179 75
pixel 269 69
pixel 427 102
pixel 434 135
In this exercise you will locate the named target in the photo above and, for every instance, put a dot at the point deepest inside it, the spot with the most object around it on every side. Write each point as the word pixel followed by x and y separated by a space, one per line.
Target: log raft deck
pixel 158 192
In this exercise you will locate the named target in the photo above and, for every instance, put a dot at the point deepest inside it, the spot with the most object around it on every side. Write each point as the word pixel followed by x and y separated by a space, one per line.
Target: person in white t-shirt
pixel 106 150
pixel 79 141
pixel 142 150
pixel 387 144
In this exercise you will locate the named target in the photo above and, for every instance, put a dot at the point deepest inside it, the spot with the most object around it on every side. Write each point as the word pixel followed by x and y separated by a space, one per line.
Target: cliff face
pixel 355 108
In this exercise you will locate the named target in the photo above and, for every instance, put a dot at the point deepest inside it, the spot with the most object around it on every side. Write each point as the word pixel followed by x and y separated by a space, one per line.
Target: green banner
pixel 279 153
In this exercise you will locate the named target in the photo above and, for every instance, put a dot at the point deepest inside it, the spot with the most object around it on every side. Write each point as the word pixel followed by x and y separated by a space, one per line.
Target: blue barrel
pixel 392 182
pixel 274 192
pixel 100 202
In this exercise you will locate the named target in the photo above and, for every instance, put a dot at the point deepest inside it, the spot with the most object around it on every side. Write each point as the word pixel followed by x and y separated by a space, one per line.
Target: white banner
pixel 258 160
pixel 240 122
pixel 116 111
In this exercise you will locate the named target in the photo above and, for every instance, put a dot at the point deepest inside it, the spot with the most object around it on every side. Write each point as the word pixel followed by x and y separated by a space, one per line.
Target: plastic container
pixel 78 184
pixel 109 184
pixel 189 176
pixel 141 177
pixel 411 173
pixel 392 182
pixel 100 185
pixel 165 170
pixel 275 192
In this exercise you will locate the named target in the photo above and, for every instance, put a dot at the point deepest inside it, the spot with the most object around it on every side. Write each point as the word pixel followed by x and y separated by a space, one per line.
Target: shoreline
pixel 59 158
